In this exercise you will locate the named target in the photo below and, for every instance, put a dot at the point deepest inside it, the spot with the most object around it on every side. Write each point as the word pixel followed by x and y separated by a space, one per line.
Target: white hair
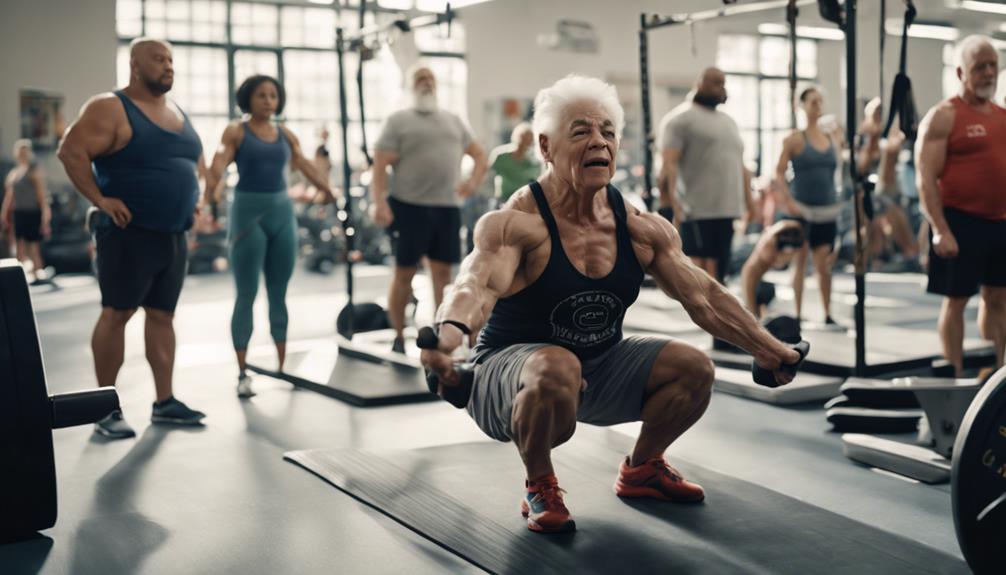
pixel 23 143
pixel 551 102
pixel 968 45
pixel 518 132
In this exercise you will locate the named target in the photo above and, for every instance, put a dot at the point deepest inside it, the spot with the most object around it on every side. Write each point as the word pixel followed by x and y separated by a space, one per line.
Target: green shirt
pixel 513 174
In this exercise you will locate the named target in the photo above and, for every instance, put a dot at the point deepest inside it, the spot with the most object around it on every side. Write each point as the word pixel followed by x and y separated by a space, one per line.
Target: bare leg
pixel 108 344
pixel 677 394
pixel 951 325
pixel 398 297
pixel 992 319
pixel 440 273
pixel 242 359
pixel 822 265
pixel 35 253
pixel 799 270
pixel 21 253
pixel 544 411
pixel 280 354
pixel 159 335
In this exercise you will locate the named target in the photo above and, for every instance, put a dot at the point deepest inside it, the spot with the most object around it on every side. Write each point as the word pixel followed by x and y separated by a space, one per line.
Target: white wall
pixel 66 47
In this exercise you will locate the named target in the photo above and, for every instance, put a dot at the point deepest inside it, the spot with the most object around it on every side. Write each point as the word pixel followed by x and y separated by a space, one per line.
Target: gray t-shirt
pixel 712 160
pixel 429 146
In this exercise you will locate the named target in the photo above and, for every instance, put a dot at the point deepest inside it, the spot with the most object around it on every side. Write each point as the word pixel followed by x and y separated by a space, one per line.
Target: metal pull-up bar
pixel 657 21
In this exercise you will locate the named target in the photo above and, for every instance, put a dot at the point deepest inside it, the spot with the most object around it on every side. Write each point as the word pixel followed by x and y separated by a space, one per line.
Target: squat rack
pixel 845 17
pixel 354 43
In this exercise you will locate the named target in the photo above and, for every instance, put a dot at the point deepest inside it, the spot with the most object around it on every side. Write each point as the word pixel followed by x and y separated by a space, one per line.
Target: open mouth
pixel 598 163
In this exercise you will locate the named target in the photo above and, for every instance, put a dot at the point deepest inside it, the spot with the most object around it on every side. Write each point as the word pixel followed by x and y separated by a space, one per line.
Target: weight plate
pixel 27 471
pixel 979 479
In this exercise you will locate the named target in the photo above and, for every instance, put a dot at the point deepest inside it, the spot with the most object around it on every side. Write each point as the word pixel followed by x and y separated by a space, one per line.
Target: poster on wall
pixel 42 118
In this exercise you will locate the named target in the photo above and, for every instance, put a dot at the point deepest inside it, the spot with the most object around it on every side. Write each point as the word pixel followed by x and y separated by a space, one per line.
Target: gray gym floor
pixel 221 499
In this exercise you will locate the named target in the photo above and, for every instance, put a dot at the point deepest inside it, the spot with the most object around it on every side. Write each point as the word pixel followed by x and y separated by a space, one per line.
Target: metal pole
pixel 851 107
pixel 735 10
pixel 647 139
pixel 791 14
pixel 347 223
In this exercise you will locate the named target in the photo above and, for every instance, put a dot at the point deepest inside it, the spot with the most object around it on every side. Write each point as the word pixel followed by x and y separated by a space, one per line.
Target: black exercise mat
pixel 322 369
pixel 465 498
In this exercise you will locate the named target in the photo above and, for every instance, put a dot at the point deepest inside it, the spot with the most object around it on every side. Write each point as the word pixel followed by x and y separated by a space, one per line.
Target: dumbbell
pixel 456 395
pixel 28 414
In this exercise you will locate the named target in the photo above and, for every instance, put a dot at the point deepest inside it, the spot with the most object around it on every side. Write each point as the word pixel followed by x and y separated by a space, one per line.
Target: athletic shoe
pixel 658 480
pixel 113 426
pixel 831 325
pixel 398 346
pixel 543 507
pixel 173 411
pixel 244 387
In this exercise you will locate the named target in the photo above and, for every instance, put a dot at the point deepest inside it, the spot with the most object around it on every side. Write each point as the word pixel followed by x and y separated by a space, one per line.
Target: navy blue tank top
pixel 814 175
pixel 564 307
pixel 262 165
pixel 155 174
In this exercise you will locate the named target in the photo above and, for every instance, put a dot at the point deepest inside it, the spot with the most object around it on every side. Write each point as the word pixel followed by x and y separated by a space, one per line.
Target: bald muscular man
pixel 961 154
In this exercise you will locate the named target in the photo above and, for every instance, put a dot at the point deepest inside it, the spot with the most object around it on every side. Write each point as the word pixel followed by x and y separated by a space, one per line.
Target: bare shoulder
pixel 939 120
pixel 288 134
pixel 234 131
pixel 650 229
pixel 105 106
pixel 516 224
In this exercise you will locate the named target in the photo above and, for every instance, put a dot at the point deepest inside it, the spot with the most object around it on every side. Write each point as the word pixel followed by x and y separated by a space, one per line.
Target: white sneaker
pixel 244 387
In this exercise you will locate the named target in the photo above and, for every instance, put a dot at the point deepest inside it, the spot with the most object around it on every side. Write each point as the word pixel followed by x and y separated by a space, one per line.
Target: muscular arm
pixel 379 182
pixel 299 162
pixel 667 181
pixel 224 155
pixel 709 304
pixel 931 154
pixel 779 181
pixel 477 153
pixel 93 134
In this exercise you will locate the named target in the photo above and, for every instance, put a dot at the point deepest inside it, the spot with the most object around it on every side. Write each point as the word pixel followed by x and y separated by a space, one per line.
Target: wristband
pixel 464 328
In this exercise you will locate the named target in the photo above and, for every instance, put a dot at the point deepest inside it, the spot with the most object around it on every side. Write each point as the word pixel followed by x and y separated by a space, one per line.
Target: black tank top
pixel 564 307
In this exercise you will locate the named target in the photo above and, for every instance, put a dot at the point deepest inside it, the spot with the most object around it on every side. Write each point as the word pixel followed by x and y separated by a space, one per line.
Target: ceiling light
pixel 893 26
pixel 991 7
pixel 815 32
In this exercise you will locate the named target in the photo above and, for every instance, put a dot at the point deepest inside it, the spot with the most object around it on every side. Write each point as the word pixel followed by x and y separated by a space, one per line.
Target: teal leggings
pixel 263 238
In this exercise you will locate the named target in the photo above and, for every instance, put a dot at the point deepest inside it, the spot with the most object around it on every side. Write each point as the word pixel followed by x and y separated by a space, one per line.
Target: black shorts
pixel 709 239
pixel 139 267
pixel 817 234
pixel 431 231
pixel 981 259
pixel 27 225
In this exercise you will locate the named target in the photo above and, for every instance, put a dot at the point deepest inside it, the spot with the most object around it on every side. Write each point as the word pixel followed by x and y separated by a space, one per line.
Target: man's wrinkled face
pixel 980 72
pixel 154 66
pixel 583 149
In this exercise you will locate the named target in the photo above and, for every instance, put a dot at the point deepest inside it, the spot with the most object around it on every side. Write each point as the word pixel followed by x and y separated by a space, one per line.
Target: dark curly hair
pixel 252 83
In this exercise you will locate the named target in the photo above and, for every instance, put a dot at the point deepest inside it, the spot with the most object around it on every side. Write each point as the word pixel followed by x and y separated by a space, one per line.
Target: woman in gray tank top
pixel 811 197
pixel 26 210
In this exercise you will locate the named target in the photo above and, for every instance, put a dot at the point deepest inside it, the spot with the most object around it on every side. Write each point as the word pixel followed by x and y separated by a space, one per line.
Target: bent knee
pixel 117 316
pixel 158 315
pixel 686 367
pixel 552 371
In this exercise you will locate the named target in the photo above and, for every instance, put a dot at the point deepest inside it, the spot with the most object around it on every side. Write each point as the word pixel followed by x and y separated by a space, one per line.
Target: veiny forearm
pixel 468 301
pixel 722 315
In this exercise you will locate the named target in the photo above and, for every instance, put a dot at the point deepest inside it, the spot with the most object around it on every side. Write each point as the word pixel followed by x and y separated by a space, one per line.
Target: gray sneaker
pixel 173 411
pixel 113 426
pixel 244 387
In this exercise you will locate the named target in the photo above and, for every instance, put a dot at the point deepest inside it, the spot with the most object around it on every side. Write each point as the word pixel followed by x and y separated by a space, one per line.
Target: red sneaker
pixel 658 480
pixel 543 507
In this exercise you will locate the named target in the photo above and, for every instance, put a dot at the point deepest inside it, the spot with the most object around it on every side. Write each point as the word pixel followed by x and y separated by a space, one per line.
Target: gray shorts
pixel 616 381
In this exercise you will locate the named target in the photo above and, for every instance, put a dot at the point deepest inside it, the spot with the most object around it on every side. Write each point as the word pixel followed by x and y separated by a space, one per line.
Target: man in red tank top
pixel 962 183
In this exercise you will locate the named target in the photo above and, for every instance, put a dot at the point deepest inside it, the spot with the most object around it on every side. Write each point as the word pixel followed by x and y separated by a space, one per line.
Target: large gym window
pixel 219 43
pixel 757 70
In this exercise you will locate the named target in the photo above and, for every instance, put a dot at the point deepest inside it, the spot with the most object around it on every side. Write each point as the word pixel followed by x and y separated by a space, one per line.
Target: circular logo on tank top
pixel 587 318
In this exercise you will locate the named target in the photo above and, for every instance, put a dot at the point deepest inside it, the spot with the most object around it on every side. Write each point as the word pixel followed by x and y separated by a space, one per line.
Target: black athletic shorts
pixel 140 268
pixel 817 233
pixel 981 256
pixel 431 231
pixel 709 239
pixel 27 225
